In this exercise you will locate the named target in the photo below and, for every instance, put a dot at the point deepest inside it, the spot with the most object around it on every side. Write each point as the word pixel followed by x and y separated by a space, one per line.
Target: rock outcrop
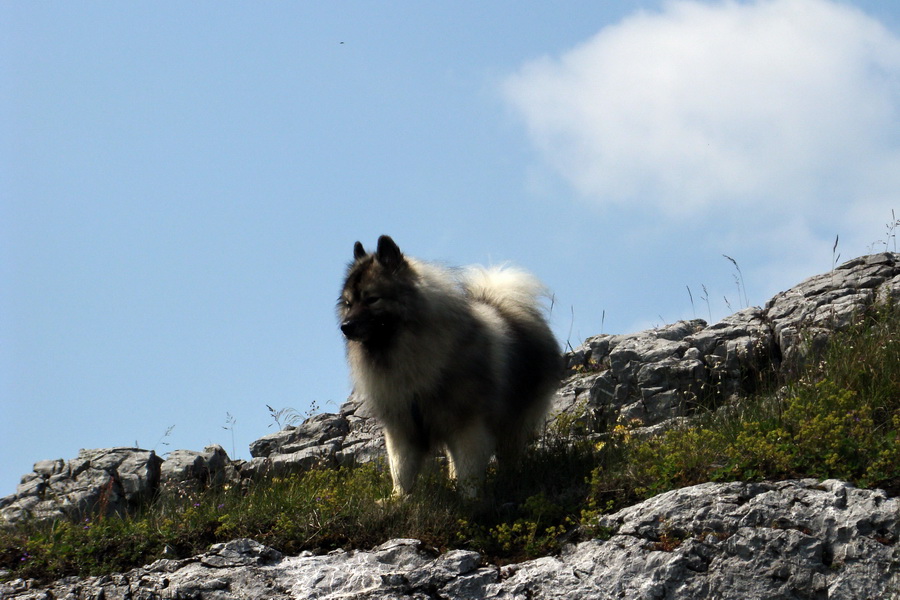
pixel 106 481
pixel 654 376
pixel 665 373
pixel 793 539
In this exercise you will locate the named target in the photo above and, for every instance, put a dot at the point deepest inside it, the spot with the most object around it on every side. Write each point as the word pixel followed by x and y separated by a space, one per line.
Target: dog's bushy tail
pixel 509 289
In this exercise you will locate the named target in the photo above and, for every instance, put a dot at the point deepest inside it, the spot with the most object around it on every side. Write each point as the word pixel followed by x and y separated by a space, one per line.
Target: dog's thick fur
pixel 459 360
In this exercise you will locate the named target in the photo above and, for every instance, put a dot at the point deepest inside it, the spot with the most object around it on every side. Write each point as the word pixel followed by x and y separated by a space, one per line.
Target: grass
pixel 840 419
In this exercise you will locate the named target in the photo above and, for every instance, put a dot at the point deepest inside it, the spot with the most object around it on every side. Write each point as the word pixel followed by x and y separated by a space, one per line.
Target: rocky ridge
pixel 656 376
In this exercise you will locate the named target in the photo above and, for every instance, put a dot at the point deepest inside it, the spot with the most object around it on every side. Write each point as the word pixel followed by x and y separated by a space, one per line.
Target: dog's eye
pixel 371 300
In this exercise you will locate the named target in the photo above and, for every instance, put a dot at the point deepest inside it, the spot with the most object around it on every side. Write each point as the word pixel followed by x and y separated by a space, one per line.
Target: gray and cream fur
pixel 457 360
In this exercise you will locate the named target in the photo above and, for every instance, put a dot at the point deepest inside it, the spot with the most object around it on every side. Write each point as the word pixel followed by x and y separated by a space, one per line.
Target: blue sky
pixel 181 184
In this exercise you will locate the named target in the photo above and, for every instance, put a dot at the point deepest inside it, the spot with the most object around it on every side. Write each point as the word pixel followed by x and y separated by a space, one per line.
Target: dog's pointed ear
pixel 358 251
pixel 388 254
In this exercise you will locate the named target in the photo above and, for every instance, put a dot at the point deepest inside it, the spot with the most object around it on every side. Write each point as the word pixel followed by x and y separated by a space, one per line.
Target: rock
pixel 665 373
pixel 106 481
pixel 803 317
pixel 315 431
pixel 661 374
pixel 365 441
pixel 187 470
pixel 315 443
pixel 240 553
pixel 772 540
pixel 112 481
pixel 730 541
pixel 350 437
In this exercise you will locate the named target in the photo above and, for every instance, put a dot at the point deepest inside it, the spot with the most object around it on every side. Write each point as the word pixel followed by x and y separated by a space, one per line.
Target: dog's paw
pixel 396 496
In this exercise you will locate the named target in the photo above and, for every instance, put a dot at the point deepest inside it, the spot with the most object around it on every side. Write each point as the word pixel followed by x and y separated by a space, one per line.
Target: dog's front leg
pixel 470 451
pixel 405 461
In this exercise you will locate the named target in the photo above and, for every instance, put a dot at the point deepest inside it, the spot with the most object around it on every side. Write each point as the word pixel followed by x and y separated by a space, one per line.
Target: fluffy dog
pixel 457 360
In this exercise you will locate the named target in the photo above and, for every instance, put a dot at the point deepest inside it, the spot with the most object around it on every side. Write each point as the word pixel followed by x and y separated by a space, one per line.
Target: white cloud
pixel 762 107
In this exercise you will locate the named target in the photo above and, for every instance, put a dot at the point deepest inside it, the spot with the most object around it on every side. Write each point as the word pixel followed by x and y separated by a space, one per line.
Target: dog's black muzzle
pixel 354 329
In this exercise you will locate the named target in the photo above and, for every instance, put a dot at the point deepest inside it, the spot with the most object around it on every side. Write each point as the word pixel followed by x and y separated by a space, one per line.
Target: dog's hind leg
pixel 470 451
pixel 405 460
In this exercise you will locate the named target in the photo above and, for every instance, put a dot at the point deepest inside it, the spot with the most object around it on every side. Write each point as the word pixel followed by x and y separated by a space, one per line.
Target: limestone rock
pixel 106 481
pixel 667 372
pixel 790 539
pixel 194 471
pixel 803 317
pixel 730 541
pixel 315 431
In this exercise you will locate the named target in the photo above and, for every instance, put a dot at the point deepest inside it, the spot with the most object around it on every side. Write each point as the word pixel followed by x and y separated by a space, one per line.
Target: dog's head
pixel 376 294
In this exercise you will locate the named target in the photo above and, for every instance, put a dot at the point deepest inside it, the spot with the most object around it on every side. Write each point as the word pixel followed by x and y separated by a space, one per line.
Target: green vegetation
pixel 839 420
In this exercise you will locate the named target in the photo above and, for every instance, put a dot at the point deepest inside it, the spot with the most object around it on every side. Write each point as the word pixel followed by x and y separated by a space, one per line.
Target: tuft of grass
pixel 890 235
pixel 289 417
pixel 739 282
pixel 840 419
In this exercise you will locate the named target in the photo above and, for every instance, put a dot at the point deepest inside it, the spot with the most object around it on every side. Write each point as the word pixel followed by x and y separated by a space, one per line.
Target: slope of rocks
pixel 653 376
pixel 786 540
pixel 793 539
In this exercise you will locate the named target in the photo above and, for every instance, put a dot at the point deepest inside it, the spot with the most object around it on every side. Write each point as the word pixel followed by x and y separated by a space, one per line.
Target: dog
pixel 458 360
